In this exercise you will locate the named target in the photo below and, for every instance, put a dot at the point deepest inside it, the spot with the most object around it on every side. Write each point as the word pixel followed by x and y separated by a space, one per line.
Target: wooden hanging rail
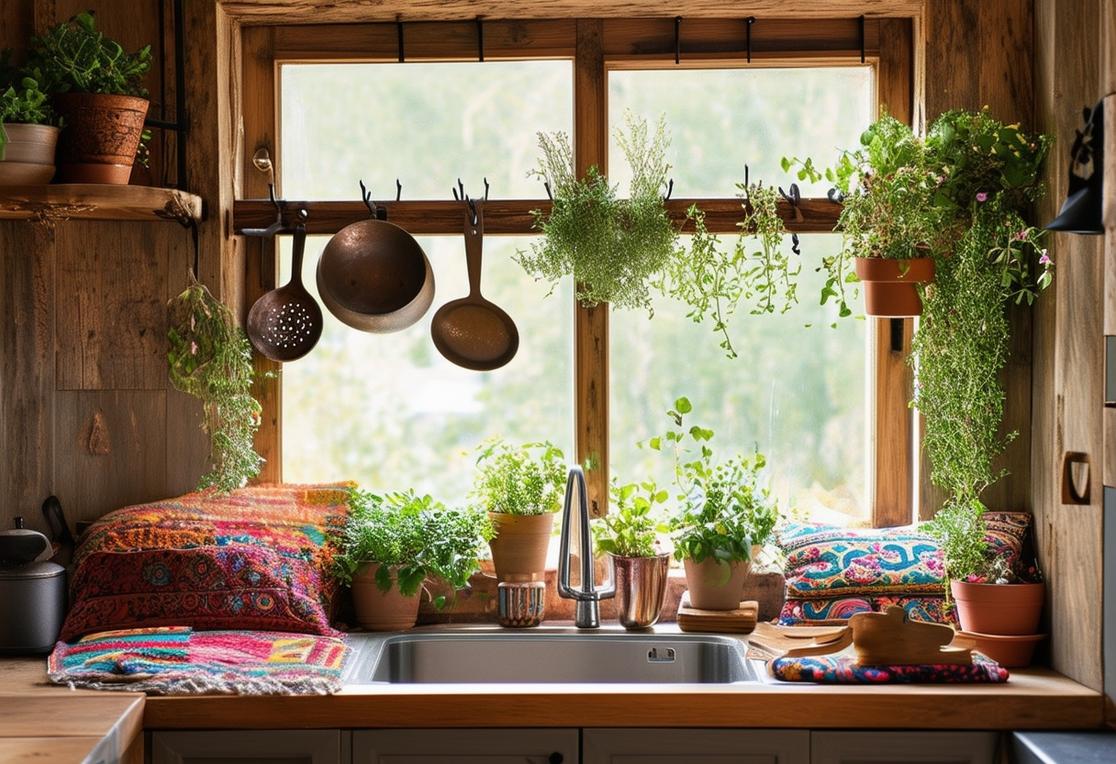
pixel 79 201
pixel 513 216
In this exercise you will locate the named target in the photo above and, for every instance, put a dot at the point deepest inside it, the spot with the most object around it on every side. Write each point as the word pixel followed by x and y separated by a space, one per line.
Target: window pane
pixel 426 124
pixel 797 393
pixel 388 411
pixel 721 119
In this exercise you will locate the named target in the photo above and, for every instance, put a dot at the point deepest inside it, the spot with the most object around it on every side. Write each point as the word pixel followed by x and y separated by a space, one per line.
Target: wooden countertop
pixel 1032 699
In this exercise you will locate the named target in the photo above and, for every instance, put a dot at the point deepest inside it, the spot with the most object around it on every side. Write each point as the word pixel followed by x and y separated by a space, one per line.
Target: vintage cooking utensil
pixel 286 323
pixel 374 276
pixel 471 331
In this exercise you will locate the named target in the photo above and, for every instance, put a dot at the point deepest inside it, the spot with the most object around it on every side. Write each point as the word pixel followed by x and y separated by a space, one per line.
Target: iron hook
pixel 749 21
pixel 677 39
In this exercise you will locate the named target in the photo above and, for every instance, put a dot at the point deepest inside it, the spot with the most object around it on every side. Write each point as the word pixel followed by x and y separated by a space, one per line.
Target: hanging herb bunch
pixel 210 358
pixel 612 246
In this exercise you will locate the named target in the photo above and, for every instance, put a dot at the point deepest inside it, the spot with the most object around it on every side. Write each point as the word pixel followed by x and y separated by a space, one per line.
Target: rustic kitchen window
pixel 828 405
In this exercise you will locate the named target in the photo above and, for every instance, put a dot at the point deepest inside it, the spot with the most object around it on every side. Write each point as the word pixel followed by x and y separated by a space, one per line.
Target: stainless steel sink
pixel 551 656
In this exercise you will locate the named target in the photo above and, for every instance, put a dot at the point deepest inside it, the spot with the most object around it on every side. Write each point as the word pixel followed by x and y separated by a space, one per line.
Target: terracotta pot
pixel 1004 609
pixel 520 545
pixel 641 584
pixel 717 586
pixel 382 611
pixel 1008 651
pixel 100 136
pixel 890 286
pixel 29 155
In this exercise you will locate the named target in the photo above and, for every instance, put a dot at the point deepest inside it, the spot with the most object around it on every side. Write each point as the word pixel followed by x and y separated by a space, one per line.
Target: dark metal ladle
pixel 471 331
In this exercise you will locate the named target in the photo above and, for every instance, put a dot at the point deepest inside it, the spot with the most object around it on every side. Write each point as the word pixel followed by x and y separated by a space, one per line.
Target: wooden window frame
pixel 595 46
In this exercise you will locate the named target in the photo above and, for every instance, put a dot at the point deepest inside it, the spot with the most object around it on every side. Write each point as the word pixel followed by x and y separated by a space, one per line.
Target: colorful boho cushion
pixel 838 610
pixel 843 669
pixel 172 660
pixel 255 558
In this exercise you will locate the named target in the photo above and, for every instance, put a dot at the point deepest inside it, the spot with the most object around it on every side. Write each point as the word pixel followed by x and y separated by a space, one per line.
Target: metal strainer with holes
pixel 286 323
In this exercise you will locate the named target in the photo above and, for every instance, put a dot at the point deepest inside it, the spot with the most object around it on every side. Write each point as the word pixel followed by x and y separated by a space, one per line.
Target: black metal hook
pixel 486 188
pixel 793 196
pixel 795 248
pixel 398 189
pixel 834 196
pixel 277 226
pixel 670 189
pixel 549 195
pixel 399 35
pixel 677 39
pixel 480 39
pixel 863 58
pixel 376 211
pixel 749 21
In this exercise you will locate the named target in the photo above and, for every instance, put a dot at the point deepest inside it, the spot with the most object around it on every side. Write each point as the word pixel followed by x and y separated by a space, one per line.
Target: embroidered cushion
pixel 837 610
pixel 256 558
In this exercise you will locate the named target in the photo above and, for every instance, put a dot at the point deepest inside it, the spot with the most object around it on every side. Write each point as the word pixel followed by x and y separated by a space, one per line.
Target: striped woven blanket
pixel 176 660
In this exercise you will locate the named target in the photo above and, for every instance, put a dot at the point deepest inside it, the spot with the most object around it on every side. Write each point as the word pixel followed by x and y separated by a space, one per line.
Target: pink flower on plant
pixel 973 578
pixel 982 196
pixel 1021 235
pixel 1044 259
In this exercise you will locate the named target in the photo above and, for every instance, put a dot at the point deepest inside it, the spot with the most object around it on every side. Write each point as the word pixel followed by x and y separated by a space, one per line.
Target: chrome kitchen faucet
pixel 587 596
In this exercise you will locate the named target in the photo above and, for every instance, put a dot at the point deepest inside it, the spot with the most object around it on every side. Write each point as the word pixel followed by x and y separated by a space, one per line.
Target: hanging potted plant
pixel 998 607
pixel 391 544
pixel 613 247
pixel 97 91
pixel 27 133
pixel 629 535
pixel 521 488
pixel 724 516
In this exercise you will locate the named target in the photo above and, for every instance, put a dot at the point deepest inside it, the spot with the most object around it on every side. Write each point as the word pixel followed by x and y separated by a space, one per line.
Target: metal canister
pixel 640 588
pixel 521 603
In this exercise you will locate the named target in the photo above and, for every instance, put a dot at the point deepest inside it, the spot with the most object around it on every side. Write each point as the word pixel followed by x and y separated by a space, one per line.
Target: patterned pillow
pixel 838 610
pixel 256 558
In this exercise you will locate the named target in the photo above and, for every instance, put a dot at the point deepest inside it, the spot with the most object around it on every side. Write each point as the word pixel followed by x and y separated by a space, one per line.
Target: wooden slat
pixel 513 216
pixel 311 12
pixel 893 483
pixel 591 390
pixel 95 202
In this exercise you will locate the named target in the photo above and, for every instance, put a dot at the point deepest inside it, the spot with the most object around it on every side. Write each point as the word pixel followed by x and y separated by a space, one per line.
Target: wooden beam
pixel 314 12
pixel 892 448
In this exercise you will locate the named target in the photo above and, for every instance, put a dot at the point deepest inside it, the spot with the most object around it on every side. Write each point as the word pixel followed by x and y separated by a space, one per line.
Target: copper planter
pixel 640 588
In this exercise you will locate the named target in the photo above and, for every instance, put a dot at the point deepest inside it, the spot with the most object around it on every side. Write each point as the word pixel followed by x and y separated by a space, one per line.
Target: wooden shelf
pixel 512 216
pixel 56 203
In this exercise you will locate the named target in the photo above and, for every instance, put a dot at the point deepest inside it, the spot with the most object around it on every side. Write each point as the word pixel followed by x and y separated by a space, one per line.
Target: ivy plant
pixel 77 57
pixel 520 480
pixel 612 246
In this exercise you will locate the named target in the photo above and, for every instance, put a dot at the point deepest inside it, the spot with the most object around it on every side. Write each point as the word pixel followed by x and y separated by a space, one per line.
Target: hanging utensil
pixel 286 323
pixel 471 331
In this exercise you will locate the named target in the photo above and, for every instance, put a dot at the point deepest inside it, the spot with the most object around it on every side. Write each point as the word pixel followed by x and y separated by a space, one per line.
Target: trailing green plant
pixel 529 479
pixel 613 247
pixel 210 358
pixel 76 57
pixel 724 508
pixel 416 535
pixel 769 277
pixel 632 529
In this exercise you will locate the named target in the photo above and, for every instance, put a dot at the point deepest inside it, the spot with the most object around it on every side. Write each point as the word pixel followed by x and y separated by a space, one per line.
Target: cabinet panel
pixel 466 746
pixel 695 746
pixel 250 747
pixel 871 747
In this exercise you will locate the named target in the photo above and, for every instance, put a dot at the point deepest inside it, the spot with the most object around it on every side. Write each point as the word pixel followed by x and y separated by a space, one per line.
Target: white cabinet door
pixel 465 746
pixel 695 746
pixel 877 747
pixel 250 747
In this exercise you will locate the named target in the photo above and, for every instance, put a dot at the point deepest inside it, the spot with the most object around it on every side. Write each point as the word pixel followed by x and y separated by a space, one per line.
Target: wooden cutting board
pixel 770 641
pixel 742 620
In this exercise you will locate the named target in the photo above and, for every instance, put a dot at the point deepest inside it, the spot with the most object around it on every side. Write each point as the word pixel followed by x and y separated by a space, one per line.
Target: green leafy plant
pixel 613 247
pixel 632 529
pixel 417 535
pixel 209 357
pixel 22 100
pixel 525 480
pixel 769 277
pixel 76 57
pixel 723 508
pixel 959 529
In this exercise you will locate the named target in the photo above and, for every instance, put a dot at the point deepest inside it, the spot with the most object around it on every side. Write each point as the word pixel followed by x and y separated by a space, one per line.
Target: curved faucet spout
pixel 587 596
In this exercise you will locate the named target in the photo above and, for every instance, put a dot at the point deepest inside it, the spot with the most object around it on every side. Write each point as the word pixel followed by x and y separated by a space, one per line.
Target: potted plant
pixel 392 543
pixel 521 488
pixel 995 605
pixel 97 91
pixel 889 223
pixel 724 515
pixel 210 358
pixel 629 535
pixel 612 246
pixel 27 135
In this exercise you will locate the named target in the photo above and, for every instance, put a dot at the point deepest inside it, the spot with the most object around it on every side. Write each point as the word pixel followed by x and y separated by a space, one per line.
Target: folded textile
pixel 176 660
pixel 842 668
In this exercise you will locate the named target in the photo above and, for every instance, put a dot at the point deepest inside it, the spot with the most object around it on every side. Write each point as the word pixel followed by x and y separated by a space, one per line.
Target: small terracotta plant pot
pixel 999 609
pixel 382 611
pixel 29 155
pixel 891 286
pixel 717 586
pixel 520 545
pixel 100 137
pixel 1008 651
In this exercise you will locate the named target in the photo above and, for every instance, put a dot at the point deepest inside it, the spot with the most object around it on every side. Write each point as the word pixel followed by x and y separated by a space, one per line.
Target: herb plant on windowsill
pixel 392 543
pixel 27 133
pixel 521 488
pixel 613 247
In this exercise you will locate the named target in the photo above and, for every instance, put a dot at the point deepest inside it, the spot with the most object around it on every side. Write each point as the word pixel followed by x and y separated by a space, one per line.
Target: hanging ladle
pixel 286 323
pixel 471 331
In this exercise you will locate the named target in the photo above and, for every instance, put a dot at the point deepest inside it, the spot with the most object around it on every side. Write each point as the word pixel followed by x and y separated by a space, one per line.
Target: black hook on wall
pixel 863 58
pixel 749 21
pixel 375 210
pixel 677 39
pixel 399 35
pixel 480 39
pixel 794 197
